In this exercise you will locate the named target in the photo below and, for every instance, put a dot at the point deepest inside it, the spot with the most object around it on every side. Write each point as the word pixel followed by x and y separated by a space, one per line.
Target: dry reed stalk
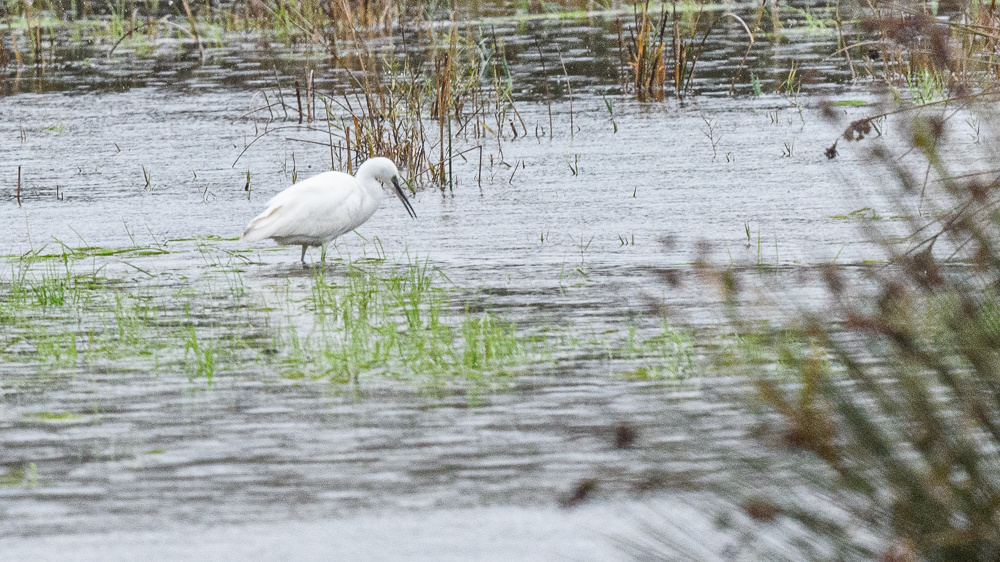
pixel 298 99
pixel 704 39
pixel 842 42
pixel 441 110
pixel 13 41
pixel 679 51
pixel 548 98
pixel 569 87
pixel 281 99
pixel 36 37
pixel 347 143
pixel 329 132
pixel 309 95
pixel 753 35
pixel 194 29
pixel 645 49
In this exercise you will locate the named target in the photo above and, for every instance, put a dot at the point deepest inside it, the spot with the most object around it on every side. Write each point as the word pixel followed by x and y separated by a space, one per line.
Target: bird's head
pixel 384 171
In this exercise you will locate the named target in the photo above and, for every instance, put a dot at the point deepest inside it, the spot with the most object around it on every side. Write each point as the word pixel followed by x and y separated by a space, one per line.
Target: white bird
pixel 317 210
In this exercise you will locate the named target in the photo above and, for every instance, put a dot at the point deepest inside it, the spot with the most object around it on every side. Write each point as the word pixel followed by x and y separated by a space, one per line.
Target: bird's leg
pixel 322 253
pixel 304 254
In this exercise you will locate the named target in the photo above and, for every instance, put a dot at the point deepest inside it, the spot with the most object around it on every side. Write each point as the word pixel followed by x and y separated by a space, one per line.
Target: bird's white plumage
pixel 314 211
pixel 319 209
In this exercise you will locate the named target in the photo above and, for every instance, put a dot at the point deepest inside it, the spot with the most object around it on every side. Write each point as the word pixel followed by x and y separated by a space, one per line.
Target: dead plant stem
pixel 569 87
pixel 194 30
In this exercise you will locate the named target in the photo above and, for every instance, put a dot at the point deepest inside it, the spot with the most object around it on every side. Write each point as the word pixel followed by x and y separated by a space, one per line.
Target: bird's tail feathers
pixel 260 227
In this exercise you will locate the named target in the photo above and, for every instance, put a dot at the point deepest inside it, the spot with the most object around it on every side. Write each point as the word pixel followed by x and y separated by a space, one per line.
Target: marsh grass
pixel 334 26
pixel 109 309
pixel 423 112
pixel 646 55
pixel 668 354
pixel 62 311
pixel 402 323
pixel 25 476
pixel 655 51
pixel 53 417
pixel 919 53
pixel 136 25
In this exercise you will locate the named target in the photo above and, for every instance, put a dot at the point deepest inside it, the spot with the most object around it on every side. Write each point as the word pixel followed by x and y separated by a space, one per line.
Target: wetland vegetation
pixel 63 313
pixel 741 254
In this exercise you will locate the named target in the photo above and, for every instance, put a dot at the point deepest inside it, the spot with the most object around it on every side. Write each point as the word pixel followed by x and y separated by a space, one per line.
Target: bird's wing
pixel 323 206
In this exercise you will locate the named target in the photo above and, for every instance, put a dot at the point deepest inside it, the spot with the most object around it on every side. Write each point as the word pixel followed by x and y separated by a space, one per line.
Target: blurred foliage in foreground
pixel 893 383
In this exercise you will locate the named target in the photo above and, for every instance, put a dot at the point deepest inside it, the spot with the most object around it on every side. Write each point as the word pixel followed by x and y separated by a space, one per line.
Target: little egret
pixel 315 211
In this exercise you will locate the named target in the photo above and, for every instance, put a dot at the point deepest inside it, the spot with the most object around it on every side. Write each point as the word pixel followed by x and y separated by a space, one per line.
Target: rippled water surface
pixel 567 234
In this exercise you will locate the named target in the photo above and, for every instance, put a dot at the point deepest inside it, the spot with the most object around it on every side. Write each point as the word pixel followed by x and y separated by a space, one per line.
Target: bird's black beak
pixel 402 197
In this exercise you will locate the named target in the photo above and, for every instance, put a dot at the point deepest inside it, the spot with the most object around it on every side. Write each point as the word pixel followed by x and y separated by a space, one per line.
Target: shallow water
pixel 570 232
pixel 535 44
pixel 472 534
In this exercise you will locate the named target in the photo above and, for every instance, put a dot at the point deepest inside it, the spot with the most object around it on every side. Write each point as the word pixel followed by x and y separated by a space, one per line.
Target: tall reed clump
pixel 895 385
pixel 418 111
pixel 645 55
pixel 650 61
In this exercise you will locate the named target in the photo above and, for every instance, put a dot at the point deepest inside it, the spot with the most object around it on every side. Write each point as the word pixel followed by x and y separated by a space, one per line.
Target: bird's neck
pixel 367 180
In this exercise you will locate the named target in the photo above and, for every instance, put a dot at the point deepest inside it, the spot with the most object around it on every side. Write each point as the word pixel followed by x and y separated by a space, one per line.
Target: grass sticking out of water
pixel 862 214
pixel 352 322
pixel 57 317
pixel 202 356
pixel 667 355
pixel 399 322
pixel 25 477
pixel 52 416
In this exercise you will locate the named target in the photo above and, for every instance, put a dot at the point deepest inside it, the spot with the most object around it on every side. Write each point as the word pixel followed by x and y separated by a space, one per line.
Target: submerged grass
pixel 667 355
pixel 401 323
pixel 68 314
pixel 21 477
